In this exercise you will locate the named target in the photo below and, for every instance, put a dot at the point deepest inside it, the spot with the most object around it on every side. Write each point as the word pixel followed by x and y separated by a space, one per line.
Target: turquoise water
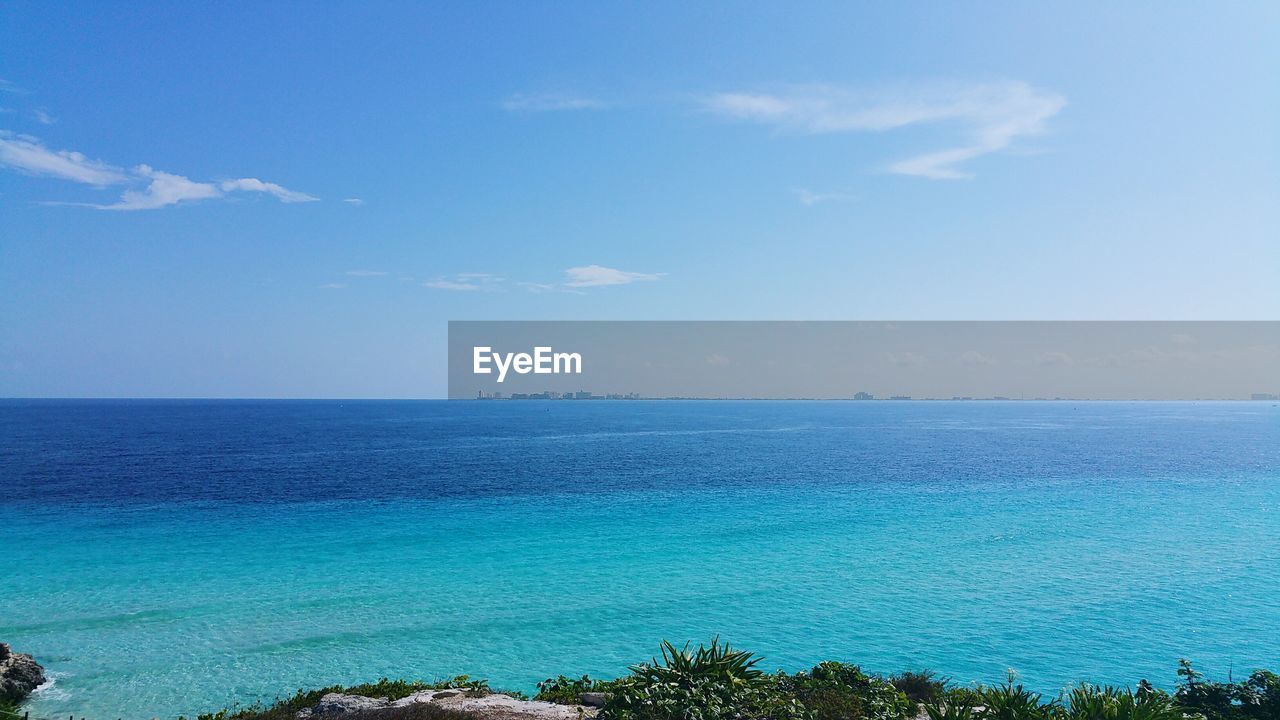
pixel 163 558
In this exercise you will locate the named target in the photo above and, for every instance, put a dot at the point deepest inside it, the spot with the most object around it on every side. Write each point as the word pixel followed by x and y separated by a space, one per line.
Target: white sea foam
pixel 47 689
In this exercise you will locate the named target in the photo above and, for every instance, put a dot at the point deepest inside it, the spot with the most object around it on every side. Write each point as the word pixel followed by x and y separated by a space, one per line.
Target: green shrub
pixel 713 682
pixel 716 682
pixel 1089 702
pixel 717 662
pixel 839 691
pixel 568 691
pixel 920 686
pixel 702 699
pixel 1256 698
pixel 1259 696
pixel 1011 701
pixel 959 706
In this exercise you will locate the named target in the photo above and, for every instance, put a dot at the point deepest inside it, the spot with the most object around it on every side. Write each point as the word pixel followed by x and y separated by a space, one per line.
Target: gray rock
pixel 425 696
pixel 451 692
pixel 20 674
pixel 505 706
pixel 492 707
pixel 593 699
pixel 339 704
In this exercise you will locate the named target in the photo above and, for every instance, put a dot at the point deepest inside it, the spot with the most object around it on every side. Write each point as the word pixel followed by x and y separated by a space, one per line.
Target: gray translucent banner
pixel 865 360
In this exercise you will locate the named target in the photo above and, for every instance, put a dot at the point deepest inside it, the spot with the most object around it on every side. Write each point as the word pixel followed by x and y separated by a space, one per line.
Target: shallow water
pixel 166 558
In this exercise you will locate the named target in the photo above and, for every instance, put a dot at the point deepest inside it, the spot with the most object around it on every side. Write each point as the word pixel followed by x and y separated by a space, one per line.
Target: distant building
pixel 582 395
pixel 863 396
pixel 1264 396
pixel 899 397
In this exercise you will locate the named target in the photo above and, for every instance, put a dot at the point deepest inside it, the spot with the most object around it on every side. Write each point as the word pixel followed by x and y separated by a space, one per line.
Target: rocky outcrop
pixel 339 704
pixel 20 674
pixel 493 706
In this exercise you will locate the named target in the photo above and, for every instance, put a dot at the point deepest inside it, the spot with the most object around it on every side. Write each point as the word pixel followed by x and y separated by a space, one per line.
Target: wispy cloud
pixel 366 273
pixel 353 201
pixel 550 102
pixel 577 280
pixel 539 287
pixel 446 284
pixel 992 116
pixel 43 117
pixel 255 185
pixel 598 275
pixel 465 282
pixel 166 189
pixel 332 286
pixel 28 155
pixel 809 197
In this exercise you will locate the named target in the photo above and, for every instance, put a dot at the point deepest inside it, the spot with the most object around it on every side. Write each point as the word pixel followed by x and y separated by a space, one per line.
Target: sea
pixel 164 558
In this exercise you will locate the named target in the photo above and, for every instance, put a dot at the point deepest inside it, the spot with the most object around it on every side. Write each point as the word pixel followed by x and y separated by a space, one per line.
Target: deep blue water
pixel 169 557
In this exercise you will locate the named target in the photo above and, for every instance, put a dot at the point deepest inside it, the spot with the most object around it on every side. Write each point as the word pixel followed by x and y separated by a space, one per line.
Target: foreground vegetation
pixel 287 708
pixel 717 682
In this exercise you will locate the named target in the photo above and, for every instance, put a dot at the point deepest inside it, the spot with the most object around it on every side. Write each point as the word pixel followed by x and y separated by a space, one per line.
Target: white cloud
pixel 444 284
pixel 255 185
pixel 810 198
pixel 26 154
pixel 164 189
pixel 168 189
pixel 332 286
pixel 576 278
pixel 43 117
pixel 992 115
pixel 597 275
pixel 366 273
pixel 466 282
pixel 539 287
pixel 550 102
pixel 353 201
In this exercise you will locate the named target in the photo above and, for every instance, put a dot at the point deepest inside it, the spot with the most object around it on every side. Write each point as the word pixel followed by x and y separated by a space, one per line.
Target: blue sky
pixel 291 200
